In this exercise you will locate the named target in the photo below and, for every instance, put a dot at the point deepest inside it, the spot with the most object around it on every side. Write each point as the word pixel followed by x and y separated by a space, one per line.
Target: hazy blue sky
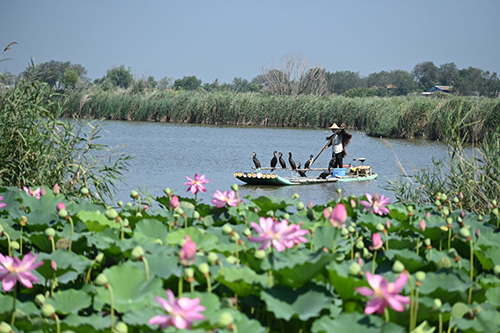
pixel 227 39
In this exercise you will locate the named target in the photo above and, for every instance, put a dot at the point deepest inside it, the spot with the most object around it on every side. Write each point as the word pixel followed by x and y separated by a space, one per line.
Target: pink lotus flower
pixel 422 225
pixel 60 206
pixel 182 312
pixel 196 184
pixel 279 234
pixel 327 212
pixel 14 269
pixel 383 293
pixel 222 198
pixel 2 204
pixel 56 189
pixel 36 193
pixel 174 203
pixel 376 204
pixel 187 255
pixel 376 242
pixel 338 216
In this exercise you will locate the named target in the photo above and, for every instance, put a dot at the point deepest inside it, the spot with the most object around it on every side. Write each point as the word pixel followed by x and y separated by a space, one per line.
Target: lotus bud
pixel 14 245
pixel 134 195
pixel 494 202
pixel 437 203
pixel 260 254
pixel 398 267
pixel 120 203
pixel 121 327
pixel 5 328
pixel 189 272
pixel 495 211
pixel 300 205
pixel 339 190
pixel 360 245
pixel 464 232
pixel 203 267
pixel 496 269
pixel 478 233
pixel 376 241
pixel 351 229
pixel 48 310
pixel 84 191
pixel 353 203
pixel 111 214
pixel 295 196
pixel 420 276
pixel 231 259
pixel 125 222
pixel 40 299
pixel 62 213
pixel 380 227
pixel 174 203
pixel 227 229
pixel 444 197
pixel 344 232
pixel 456 200
pixel 53 265
pixel 212 258
pixel 137 252
pixel 310 205
pixel 225 319
pixel 427 241
pixel 480 217
pixel 180 211
pixel 327 212
pixel 387 224
pixel 235 237
pixel 167 191
pixel 354 268
pixel 286 216
pixel 101 279
pixel 366 253
pixel 22 222
pixel 247 232
pixel 444 263
pixel 443 228
pixel 187 254
pixel 234 187
pixel 437 303
pixel 446 211
pixel 410 208
pixel 99 257
pixel 60 206
pixel 196 215
pixel 459 219
pixel 50 232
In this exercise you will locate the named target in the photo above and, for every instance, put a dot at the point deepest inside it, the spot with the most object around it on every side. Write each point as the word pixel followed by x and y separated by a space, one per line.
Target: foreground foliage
pixel 106 268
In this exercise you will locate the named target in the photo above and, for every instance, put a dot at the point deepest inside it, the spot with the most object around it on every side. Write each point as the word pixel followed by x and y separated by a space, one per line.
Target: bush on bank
pixel 103 266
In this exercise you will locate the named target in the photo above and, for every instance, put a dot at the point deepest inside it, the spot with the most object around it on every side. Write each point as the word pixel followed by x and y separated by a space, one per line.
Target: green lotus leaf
pixel 131 290
pixel 210 301
pixel 266 204
pixel 203 240
pixel 323 237
pixel 69 301
pixel 343 283
pixel 409 258
pixel 140 317
pixel 355 322
pixel 448 281
pixel 151 228
pixel 489 257
pixel 371 221
pixel 488 320
pixel 6 302
pixel 305 303
pixel 242 280
pixel 41 241
pixel 96 221
pixel 161 265
pixel 398 211
pixel 91 324
pixel 493 296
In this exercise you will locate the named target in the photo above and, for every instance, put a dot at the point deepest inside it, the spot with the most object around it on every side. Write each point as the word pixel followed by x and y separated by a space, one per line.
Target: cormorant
pixel 274 161
pixel 324 174
pixel 256 161
pixel 301 173
pixel 309 162
pixel 291 161
pixel 282 161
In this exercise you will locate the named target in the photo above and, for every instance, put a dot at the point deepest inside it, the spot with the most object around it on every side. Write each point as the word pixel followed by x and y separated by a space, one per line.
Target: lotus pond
pixel 252 264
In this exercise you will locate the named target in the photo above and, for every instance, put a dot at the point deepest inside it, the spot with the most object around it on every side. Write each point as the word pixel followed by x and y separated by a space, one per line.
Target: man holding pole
pixel 339 139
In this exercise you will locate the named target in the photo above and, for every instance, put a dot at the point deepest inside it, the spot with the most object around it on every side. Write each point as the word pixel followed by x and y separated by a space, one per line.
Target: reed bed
pixel 401 117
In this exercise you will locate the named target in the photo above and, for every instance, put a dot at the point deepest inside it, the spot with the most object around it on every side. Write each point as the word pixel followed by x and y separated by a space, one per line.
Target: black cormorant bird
pixel 301 173
pixel 282 161
pixel 274 161
pixel 309 162
pixel 256 161
pixel 291 161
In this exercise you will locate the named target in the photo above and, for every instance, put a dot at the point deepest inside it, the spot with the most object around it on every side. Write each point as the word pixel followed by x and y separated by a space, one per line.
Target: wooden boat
pixel 260 177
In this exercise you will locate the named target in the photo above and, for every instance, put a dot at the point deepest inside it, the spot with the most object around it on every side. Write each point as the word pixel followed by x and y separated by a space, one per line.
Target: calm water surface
pixel 166 153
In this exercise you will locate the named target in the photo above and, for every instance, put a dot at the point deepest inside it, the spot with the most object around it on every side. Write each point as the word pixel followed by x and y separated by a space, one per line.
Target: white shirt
pixel 337 144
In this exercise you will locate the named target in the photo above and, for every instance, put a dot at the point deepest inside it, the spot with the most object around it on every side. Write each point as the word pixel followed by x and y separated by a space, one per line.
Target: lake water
pixel 166 153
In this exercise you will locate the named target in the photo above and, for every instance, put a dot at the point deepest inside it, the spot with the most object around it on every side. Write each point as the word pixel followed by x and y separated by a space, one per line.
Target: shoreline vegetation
pixel 391 117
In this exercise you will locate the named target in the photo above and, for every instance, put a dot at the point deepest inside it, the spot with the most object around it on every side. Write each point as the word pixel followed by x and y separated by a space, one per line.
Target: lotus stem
pixel 209 283
pixel 449 238
pixel 146 266
pixel 418 244
pixel 58 324
pixel 21 241
pixel 440 323
pixel 53 244
pixel 412 303
pixel 13 318
pixel 180 287
pixel 71 234
pixel 386 315
pixel 373 261
pixel 352 246
pixel 471 269
pixel 8 243
pixel 112 307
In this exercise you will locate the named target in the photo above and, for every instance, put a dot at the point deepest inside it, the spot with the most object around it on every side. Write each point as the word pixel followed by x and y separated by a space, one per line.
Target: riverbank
pixel 394 117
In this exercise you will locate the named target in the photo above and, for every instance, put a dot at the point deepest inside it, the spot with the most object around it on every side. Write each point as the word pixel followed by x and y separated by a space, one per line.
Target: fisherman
pixel 339 139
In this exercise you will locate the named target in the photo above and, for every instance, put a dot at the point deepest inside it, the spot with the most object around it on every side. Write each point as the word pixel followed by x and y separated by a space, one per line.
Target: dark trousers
pixel 338 160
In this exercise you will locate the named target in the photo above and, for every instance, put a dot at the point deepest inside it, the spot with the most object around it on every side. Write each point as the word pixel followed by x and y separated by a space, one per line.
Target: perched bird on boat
pixel 274 161
pixel 291 161
pixel 256 161
pixel 309 162
pixel 325 174
pixel 301 173
pixel 282 161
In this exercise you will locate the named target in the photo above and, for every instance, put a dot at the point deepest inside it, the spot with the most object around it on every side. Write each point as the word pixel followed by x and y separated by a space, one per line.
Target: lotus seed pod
pixel 420 276
pixel 84 191
pixel 444 263
pixel 427 241
pixel 444 197
pixel 351 229
pixel 459 219
pixel 380 227
pixel 121 327
pixel 339 256
pixel 101 279
pixel 203 267
pixel 410 208
pixel 227 229
pixel 260 254
pixel 455 200
pixel 128 204
pixel 398 267
pixel 494 202
pixel 62 213
pixel 138 214
pixel 212 258
pixel 225 319
pixel 344 232
pixel 120 203
pixel 167 191
pixel 99 257
pixel 234 187
pixel 446 211
pixel 125 222
pixel 247 232
pixel 437 303
pixel 5 328
pixel 23 221
pixel 295 196
pixel 496 269
pixel 158 241
pixel 480 217
pixel 366 253
pixel 354 268
pixel 189 272
pixel 360 245
pixel 286 216
pixel 14 245
pixel 111 214
pixel 443 228
pixel 300 205
pixel 50 232
pixel 231 259
pixel 235 237
pixel 40 299
pixel 495 211
pixel 196 215
pixel 464 232
pixel 180 211
pixel 137 252
pixel 437 203
pixel 48 310
pixel 270 213
pixel 134 194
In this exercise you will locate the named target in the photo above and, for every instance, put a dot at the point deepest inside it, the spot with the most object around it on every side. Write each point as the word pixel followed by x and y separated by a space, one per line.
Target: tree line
pixel 291 77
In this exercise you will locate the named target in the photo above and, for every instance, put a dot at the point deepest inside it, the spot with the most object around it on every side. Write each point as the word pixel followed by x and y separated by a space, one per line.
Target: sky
pixel 223 40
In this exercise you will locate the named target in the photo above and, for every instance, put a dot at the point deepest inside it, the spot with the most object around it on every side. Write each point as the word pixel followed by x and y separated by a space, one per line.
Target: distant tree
pixel 448 74
pixel 52 72
pixel 151 82
pixel 426 74
pixel 120 77
pixel 242 85
pixel 260 81
pixel 165 83
pixel 70 79
pixel 361 92
pixel 341 81
pixel 402 82
pixel 212 87
pixel 187 83
pixel 378 80
pixel 474 81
